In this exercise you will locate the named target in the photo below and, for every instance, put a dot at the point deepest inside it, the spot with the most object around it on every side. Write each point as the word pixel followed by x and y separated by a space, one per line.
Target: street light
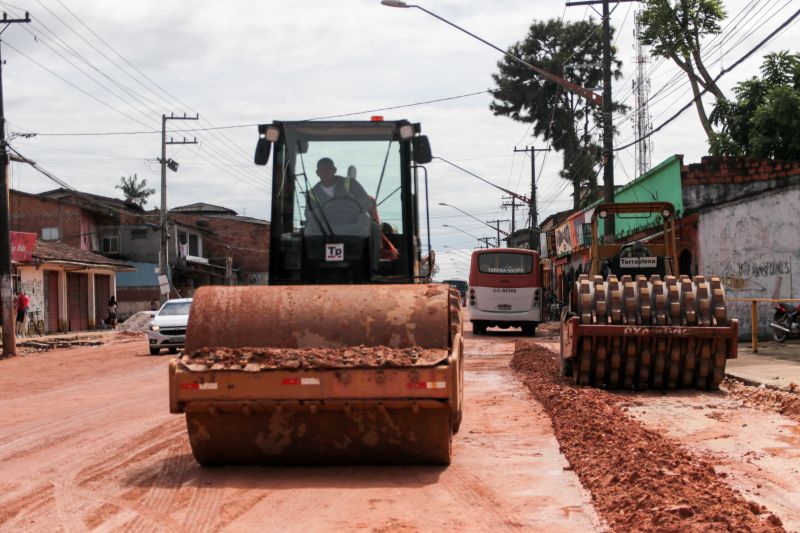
pixel 572 87
pixel 462 231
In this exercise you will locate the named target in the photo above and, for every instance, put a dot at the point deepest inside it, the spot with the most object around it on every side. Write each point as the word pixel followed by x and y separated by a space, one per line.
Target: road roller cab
pixel 348 357
pixel 344 200
pixel 633 323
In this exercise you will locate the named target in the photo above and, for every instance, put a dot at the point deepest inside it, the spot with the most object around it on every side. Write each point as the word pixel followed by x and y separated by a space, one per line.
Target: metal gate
pixel 78 301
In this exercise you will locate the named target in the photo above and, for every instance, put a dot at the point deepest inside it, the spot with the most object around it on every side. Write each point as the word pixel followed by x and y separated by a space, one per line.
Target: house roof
pixel 239 218
pixel 58 252
pixel 557 218
pixel 89 198
pixel 204 208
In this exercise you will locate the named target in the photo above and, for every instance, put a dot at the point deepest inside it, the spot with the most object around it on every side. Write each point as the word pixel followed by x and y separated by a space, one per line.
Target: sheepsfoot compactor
pixel 635 324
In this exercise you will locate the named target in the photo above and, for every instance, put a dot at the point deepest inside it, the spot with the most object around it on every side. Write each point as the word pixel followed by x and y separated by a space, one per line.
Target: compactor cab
pixel 348 357
pixel 633 323
pixel 655 256
pixel 362 229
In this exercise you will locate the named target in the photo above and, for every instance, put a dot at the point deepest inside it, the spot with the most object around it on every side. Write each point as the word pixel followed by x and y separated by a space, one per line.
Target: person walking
pixel 22 312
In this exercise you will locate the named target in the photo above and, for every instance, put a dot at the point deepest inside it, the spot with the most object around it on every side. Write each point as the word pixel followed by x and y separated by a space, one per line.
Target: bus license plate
pixel 504 307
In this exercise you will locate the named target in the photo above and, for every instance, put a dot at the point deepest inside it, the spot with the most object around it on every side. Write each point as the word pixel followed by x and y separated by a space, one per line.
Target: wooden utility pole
pixel 608 125
pixel 513 206
pixel 6 279
pixel 533 214
pixel 163 259
pixel 496 225
pixel 608 106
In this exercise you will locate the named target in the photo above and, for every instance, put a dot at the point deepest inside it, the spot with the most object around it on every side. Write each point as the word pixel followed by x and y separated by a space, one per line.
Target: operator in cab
pixel 332 186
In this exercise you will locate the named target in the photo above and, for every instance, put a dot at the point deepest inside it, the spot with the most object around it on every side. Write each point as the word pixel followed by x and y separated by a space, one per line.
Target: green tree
pixel 560 117
pixel 135 191
pixel 764 119
pixel 674 29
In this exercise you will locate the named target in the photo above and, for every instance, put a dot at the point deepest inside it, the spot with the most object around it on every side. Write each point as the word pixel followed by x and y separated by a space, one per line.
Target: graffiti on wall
pixel 34 288
pixel 756 275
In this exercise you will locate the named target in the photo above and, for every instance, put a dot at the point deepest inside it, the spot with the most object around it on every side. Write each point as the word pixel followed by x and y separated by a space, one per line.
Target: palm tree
pixel 134 191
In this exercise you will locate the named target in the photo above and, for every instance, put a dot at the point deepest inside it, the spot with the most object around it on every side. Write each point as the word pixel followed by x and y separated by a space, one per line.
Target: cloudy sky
pixel 92 79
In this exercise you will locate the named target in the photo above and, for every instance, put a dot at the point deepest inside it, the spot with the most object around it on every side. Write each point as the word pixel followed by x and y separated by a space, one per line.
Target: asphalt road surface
pixel 87 444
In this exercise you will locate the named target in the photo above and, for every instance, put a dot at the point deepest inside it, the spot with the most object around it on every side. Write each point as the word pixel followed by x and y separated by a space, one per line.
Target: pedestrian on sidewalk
pixel 22 312
pixel 112 312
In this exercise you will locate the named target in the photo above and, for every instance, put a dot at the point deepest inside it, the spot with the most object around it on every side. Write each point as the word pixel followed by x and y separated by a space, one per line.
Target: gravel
pixel 640 480
pixel 136 322
pixel 257 359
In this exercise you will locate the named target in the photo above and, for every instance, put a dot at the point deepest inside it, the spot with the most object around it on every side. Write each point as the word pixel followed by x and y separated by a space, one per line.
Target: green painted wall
pixel 660 184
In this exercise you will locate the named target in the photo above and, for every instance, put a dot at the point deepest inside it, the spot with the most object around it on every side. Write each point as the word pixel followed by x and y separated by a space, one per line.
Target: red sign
pixel 22 245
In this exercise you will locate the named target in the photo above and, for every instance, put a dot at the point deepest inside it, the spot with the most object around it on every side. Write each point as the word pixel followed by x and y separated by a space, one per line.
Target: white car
pixel 168 328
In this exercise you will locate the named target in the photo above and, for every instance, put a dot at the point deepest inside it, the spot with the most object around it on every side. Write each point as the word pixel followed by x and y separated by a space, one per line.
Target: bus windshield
pixel 505 263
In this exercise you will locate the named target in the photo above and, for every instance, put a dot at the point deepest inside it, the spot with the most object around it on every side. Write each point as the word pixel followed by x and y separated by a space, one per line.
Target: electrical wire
pixel 254 178
pixel 761 43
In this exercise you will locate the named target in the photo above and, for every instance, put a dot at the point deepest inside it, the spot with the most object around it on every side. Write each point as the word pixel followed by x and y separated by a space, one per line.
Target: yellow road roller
pixel 349 355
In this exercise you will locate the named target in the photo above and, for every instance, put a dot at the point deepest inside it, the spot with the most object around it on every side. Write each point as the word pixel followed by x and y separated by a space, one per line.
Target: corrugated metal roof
pixel 201 207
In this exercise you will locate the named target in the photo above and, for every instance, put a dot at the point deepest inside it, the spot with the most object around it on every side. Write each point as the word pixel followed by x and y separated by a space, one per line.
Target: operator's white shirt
pixel 328 190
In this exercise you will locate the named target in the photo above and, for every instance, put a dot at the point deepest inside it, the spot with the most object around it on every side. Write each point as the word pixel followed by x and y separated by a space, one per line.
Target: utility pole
pixel 163 260
pixel 608 106
pixel 513 206
pixel 533 215
pixel 6 283
pixel 486 241
pixel 496 226
pixel 608 124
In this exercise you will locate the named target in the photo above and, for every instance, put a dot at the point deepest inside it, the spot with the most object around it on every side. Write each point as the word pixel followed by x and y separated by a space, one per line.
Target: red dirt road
pixel 87 443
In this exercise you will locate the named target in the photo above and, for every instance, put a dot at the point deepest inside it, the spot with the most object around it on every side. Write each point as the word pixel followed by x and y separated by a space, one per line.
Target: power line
pixel 219 154
pixel 753 50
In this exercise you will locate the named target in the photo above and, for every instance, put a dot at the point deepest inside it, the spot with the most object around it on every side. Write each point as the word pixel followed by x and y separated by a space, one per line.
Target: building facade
pixel 206 244
pixel 69 288
pixel 735 218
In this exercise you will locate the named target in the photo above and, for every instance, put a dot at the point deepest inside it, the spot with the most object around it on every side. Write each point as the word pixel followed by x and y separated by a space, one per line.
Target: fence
pixel 754 314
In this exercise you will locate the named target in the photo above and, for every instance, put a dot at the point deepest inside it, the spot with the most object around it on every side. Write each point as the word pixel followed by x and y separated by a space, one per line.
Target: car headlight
pixel 154 327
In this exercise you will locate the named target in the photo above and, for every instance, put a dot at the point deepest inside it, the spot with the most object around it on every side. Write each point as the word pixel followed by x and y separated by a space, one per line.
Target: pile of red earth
pixel 785 402
pixel 639 480
pixel 255 359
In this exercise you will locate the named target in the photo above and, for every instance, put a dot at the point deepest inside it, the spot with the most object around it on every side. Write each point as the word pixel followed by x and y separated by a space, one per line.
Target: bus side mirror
pixel 262 151
pixel 422 150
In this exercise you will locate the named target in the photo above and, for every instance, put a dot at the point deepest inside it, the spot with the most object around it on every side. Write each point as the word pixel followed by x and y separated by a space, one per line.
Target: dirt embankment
pixel 783 402
pixel 639 479
pixel 256 359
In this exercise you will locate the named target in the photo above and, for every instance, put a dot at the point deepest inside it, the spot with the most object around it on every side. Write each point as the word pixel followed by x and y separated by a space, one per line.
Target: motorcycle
pixel 785 321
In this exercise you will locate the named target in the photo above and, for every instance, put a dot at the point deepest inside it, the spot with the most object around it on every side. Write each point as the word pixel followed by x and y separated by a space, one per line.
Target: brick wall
pixel 717 180
pixel 30 213
pixel 245 241
pixel 76 226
